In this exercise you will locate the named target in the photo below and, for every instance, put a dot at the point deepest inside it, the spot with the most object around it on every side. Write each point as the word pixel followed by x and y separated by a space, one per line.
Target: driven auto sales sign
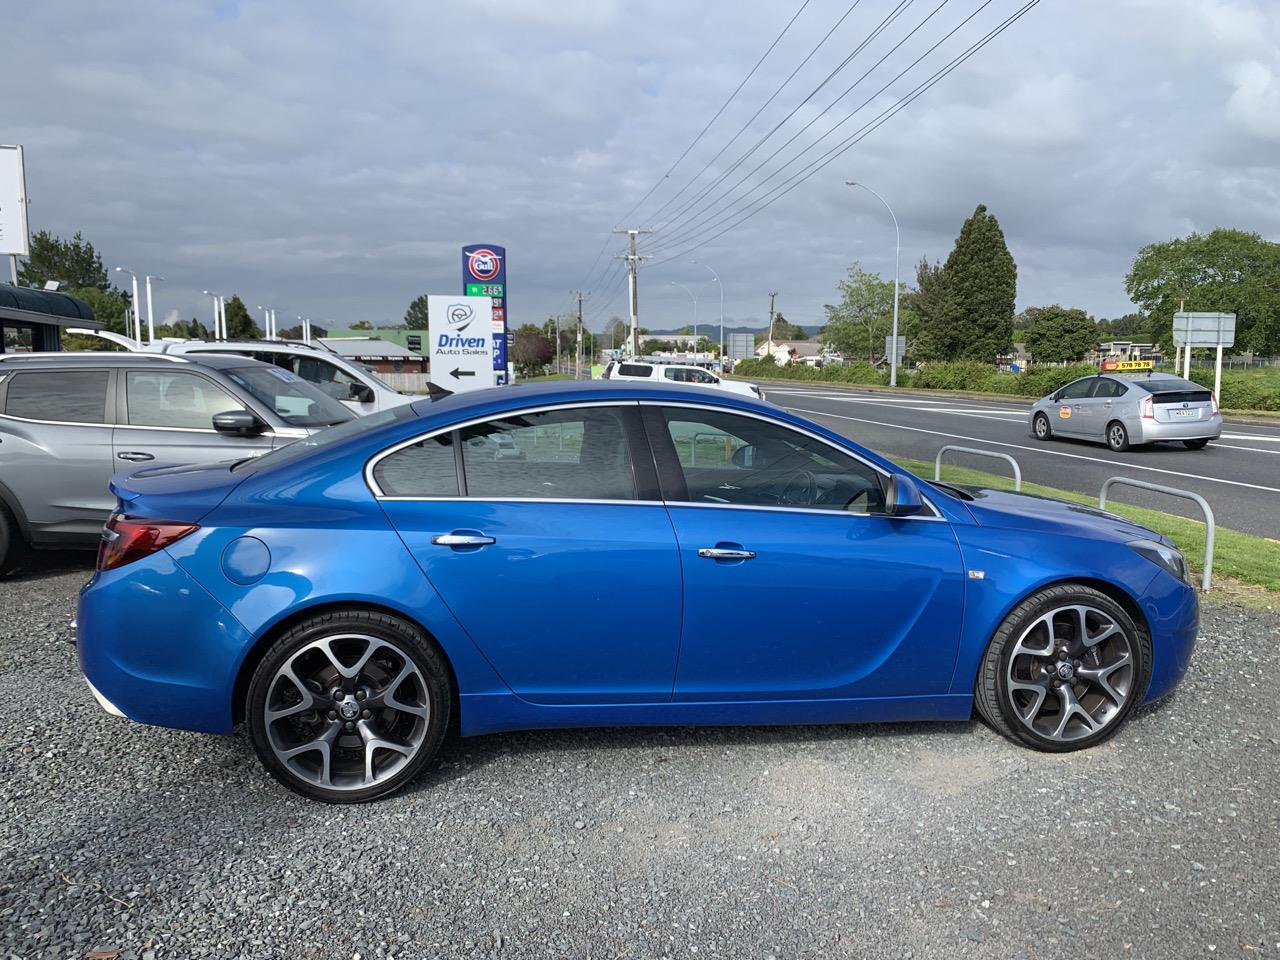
pixel 484 274
pixel 461 333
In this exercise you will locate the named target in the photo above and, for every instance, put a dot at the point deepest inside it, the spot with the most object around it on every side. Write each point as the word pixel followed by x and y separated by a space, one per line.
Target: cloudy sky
pixel 330 158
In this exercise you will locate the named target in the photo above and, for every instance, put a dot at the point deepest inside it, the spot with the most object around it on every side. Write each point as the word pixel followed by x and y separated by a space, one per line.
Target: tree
pixel 1132 326
pixel 110 307
pixel 1056 334
pixel 295 332
pixel 362 325
pixel 981 282
pixel 415 318
pixel 615 332
pixel 239 324
pixel 656 346
pixel 930 305
pixel 858 324
pixel 1228 271
pixel 785 330
pixel 531 351
pixel 74 263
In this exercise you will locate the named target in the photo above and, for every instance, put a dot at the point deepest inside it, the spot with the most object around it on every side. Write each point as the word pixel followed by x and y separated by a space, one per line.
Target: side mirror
pixel 902 497
pixel 237 423
pixel 361 393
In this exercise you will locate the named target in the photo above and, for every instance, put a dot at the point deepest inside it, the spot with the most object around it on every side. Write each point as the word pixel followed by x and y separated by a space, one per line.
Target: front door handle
pixel 724 553
pixel 134 455
pixel 462 540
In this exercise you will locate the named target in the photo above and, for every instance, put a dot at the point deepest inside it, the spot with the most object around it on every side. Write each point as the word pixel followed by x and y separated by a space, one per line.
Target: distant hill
pixel 750 326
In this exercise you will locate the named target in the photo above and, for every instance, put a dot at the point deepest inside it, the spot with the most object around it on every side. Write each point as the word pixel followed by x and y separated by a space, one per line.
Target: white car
pixel 677 372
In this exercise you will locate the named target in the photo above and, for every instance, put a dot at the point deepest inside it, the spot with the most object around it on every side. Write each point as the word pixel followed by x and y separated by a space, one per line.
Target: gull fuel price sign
pixel 484 274
pixel 462 342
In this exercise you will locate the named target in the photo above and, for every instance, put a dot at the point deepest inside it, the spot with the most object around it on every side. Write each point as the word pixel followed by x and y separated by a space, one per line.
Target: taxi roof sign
pixel 1122 365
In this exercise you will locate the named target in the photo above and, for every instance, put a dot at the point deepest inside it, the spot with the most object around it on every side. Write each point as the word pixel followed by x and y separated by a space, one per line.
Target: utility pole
pixel 577 370
pixel 769 343
pixel 633 261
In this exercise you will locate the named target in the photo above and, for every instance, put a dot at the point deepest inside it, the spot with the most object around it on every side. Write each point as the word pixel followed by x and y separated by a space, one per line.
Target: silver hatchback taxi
pixel 1126 411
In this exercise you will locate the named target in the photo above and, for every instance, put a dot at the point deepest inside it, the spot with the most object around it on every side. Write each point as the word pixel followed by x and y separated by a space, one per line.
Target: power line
pixel 814 166
pixel 702 213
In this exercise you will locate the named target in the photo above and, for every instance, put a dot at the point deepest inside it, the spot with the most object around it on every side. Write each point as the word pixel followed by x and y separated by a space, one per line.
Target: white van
pixel 677 372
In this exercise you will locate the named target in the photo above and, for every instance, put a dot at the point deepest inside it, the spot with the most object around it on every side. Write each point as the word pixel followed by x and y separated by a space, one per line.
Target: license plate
pixel 1186 413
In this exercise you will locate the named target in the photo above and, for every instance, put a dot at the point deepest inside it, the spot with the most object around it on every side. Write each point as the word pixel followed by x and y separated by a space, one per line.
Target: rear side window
pixel 175 400
pixel 70 396
pixel 1107 388
pixel 424 469
pixel 560 454
pixel 634 370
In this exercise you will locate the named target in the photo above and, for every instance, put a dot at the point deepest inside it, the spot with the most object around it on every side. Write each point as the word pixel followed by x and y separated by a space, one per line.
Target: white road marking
pixel 1233 446
pixel 1040 449
pixel 1250 436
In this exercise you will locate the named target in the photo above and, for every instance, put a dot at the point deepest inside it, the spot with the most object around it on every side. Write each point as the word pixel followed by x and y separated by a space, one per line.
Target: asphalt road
pixel 893 841
pixel 1239 475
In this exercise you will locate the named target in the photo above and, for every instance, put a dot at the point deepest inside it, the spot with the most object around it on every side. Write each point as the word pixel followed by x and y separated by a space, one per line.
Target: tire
pixel 13 548
pixel 1033 695
pixel 387 717
pixel 1117 436
pixel 1040 427
pixel 1195 444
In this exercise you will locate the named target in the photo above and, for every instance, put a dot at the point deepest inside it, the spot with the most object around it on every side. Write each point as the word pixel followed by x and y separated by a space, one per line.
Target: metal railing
pixel 937 463
pixel 1210 527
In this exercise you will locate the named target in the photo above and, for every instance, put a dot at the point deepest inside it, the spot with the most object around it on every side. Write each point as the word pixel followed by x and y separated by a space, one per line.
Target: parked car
pixel 1129 411
pixel 675 373
pixel 68 421
pixel 386 574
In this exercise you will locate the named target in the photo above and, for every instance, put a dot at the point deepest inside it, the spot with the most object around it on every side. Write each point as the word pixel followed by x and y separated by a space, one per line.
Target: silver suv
pixel 68 421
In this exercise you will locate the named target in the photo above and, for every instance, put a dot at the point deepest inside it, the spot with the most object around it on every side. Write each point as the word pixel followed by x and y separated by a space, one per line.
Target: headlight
pixel 1163 556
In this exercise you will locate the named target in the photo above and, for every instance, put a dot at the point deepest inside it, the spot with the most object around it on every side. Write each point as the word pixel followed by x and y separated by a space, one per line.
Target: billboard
pixel 462 342
pixel 484 274
pixel 740 346
pixel 1204 329
pixel 13 203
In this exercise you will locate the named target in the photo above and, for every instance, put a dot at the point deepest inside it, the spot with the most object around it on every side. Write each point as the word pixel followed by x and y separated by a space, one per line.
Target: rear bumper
pixel 156 648
pixel 1152 430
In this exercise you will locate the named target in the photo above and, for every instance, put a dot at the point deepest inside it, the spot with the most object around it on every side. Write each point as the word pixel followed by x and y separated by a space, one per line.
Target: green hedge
pixel 1241 390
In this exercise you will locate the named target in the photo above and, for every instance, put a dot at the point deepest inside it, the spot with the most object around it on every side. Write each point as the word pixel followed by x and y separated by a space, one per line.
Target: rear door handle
pixel 462 540
pixel 723 553
pixel 134 455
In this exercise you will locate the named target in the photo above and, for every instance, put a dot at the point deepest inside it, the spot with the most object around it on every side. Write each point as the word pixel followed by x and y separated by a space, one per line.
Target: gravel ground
pixel 893 841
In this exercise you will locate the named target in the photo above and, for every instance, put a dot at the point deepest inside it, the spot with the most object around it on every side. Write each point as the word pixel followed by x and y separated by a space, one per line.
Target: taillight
pixel 1215 405
pixel 1148 409
pixel 126 539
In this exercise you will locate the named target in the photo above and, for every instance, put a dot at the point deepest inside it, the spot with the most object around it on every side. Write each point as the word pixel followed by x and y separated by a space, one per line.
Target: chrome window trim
pixel 376 490
pixel 58 423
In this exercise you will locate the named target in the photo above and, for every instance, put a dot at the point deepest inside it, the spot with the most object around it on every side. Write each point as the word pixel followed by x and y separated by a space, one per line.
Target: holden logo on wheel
pixel 1065 671
pixel 349 709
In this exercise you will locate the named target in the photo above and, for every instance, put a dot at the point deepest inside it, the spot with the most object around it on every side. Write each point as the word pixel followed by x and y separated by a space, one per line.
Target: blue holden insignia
pixel 608 554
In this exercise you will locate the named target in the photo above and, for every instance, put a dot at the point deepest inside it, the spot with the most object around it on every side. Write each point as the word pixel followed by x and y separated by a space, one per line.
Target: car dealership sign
pixel 13 204
pixel 462 340
pixel 484 274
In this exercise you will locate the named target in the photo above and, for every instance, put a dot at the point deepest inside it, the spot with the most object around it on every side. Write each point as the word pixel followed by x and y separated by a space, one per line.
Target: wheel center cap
pixel 349 709
pixel 1066 671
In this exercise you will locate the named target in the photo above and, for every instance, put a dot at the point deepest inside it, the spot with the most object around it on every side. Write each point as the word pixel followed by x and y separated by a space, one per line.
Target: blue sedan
pixel 608 554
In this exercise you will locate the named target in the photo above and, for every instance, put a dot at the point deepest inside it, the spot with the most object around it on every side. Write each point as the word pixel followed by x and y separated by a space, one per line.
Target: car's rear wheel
pixel 13 548
pixel 348 706
pixel 1064 669
pixel 1040 427
pixel 1195 444
pixel 1117 436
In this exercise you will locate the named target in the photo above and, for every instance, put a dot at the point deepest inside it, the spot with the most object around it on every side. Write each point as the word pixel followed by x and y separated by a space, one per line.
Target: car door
pixel 56 456
pixel 796 585
pixel 1074 410
pixel 544 534
pixel 167 417
pixel 1104 406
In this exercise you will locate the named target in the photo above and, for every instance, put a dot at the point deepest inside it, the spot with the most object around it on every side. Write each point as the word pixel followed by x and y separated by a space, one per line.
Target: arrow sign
pixel 458 374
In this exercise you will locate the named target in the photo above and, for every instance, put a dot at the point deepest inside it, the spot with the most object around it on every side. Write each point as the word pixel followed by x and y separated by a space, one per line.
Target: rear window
pixel 71 396
pixel 1175 390
pixel 634 370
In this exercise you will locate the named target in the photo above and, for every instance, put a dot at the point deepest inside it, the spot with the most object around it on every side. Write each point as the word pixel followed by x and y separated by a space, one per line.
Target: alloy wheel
pixel 1117 437
pixel 1071 673
pixel 1042 426
pixel 347 711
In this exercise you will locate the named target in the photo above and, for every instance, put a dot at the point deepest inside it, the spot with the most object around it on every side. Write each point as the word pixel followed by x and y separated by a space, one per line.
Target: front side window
pixel 731 459
pixel 165 399
pixel 327 377
pixel 575 454
pixel 1078 390
pixel 69 396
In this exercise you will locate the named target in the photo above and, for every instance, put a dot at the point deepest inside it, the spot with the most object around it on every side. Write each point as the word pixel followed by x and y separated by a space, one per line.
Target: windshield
pixel 370 373
pixel 295 401
pixel 324 438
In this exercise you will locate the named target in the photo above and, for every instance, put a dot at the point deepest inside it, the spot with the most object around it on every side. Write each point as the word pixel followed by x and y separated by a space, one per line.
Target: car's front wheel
pixel 13 549
pixel 348 706
pixel 1064 669
pixel 1040 427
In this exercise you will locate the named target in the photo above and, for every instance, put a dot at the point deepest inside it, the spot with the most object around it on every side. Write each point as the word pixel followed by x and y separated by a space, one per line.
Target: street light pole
pixel 721 286
pixel 897 256
pixel 695 311
pixel 217 313
pixel 137 313
pixel 151 320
